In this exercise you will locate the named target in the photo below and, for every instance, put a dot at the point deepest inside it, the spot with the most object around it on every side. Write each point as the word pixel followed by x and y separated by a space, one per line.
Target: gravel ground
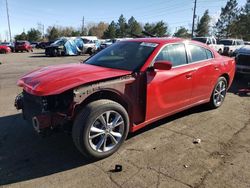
pixel 161 155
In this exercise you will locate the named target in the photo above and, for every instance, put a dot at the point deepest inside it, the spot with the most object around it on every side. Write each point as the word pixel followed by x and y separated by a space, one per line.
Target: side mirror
pixel 163 65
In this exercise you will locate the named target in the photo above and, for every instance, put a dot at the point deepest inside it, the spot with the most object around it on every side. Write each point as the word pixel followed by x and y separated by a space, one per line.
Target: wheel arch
pixel 225 75
pixel 109 94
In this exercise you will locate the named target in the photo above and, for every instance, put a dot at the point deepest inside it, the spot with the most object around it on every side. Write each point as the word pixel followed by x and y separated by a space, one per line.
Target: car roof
pixel 163 41
pixel 157 40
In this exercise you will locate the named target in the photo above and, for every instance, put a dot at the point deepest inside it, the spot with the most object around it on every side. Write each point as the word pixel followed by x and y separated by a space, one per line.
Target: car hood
pixel 54 80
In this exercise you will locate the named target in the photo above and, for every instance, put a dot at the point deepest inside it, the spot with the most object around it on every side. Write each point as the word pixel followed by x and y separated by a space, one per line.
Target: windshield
pixel 203 40
pixel 226 42
pixel 123 55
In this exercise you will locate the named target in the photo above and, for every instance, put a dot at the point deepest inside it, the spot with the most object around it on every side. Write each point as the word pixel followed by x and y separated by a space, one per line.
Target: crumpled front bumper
pixel 40 120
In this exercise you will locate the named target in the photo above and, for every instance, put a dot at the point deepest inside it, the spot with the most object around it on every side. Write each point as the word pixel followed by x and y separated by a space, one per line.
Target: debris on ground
pixel 118 168
pixel 197 141
pixel 186 166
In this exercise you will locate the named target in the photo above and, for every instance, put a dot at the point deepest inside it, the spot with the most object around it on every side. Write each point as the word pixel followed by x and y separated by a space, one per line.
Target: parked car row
pixel 18 46
pixel 224 46
pixel 73 46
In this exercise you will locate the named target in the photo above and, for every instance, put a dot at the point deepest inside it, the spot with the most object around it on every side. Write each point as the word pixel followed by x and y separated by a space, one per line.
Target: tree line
pixel 233 22
pixel 121 28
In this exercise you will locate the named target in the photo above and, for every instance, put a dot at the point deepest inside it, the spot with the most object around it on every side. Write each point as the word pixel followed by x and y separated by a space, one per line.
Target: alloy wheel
pixel 106 131
pixel 219 93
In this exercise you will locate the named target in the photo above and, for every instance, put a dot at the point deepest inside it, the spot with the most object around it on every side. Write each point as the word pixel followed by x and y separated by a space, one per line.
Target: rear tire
pixel 100 129
pixel 219 93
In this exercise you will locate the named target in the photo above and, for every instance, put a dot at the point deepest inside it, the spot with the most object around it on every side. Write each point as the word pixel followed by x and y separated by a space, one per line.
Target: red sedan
pixel 4 49
pixel 123 88
pixel 23 46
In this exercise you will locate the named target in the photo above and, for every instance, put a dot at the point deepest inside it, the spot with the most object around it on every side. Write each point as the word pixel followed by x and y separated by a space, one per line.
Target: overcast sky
pixel 25 14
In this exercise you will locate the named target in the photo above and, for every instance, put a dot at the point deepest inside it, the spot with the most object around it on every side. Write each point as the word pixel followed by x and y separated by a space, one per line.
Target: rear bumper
pixel 21 48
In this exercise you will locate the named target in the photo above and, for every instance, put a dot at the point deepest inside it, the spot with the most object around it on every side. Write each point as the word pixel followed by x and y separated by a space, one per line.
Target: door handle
pixel 189 76
pixel 216 67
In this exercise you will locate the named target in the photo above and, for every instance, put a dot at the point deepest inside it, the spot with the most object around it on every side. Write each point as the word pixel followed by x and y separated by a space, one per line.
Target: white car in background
pixel 230 45
pixel 91 44
pixel 212 42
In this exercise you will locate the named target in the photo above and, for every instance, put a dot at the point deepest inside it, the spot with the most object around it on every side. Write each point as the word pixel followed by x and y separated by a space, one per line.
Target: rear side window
pixel 199 54
pixel 175 53
pixel 209 54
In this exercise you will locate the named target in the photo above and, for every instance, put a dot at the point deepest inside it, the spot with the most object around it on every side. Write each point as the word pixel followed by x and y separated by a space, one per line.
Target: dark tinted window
pixel 197 53
pixel 226 42
pixel 175 53
pixel 200 39
pixel 123 55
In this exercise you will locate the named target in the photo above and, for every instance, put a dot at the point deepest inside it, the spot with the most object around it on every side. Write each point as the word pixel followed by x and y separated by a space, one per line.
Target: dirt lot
pixel 162 155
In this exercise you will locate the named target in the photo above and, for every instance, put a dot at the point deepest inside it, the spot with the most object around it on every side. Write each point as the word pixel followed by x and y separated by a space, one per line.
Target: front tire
pixel 219 93
pixel 100 129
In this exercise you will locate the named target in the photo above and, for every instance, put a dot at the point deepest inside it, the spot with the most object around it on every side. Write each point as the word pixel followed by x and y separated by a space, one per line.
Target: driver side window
pixel 174 53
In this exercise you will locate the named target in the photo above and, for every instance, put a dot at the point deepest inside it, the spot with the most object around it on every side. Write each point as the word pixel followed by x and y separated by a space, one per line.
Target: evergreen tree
pixel 241 27
pixel 121 27
pixel 53 33
pixel 182 32
pixel 134 27
pixel 110 33
pixel 160 29
pixel 203 25
pixel 149 28
pixel 22 36
pixel 229 14
pixel 247 7
pixel 34 35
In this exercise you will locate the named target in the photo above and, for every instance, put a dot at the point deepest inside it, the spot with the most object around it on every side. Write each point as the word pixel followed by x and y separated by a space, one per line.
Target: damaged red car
pixel 123 88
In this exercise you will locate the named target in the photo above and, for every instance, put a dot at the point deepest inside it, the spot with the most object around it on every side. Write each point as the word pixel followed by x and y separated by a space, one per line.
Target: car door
pixel 202 60
pixel 169 90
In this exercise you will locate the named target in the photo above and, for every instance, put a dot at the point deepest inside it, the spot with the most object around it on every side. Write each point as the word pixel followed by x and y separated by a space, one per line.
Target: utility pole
pixel 8 17
pixel 43 31
pixel 194 16
pixel 82 24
